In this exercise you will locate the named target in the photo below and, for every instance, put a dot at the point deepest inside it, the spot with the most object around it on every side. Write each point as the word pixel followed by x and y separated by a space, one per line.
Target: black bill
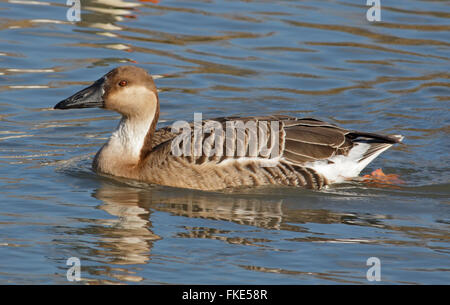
pixel 89 97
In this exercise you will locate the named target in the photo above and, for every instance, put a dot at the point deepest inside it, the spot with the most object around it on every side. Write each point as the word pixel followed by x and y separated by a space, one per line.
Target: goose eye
pixel 123 83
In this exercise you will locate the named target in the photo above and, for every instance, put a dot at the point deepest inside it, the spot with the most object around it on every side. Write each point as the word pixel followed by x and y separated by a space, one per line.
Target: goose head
pixel 127 90
pixel 131 92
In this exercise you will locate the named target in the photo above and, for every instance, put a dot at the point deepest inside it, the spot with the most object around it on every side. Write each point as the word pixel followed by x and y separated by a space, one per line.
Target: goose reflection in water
pixel 129 238
pixel 125 242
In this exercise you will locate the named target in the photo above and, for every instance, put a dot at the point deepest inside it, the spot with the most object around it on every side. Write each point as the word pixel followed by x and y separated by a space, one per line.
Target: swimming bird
pixel 206 155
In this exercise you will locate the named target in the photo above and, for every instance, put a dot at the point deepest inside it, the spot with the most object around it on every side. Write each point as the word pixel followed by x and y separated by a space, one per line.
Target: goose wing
pixel 301 140
pixel 309 140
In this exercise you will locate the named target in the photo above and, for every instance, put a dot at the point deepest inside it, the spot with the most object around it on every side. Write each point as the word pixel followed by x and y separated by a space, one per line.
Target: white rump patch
pixel 344 167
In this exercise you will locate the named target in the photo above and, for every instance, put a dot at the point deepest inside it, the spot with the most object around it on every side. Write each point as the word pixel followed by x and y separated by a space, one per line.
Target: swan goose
pixel 310 153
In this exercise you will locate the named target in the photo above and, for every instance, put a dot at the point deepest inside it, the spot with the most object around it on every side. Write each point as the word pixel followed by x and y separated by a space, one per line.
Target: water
pixel 303 58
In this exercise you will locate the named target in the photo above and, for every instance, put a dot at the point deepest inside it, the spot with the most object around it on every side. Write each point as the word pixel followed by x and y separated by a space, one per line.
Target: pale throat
pixel 129 137
pixel 127 140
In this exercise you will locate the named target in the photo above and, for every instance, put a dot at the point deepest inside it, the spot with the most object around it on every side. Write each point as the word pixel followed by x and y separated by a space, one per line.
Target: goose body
pixel 309 153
